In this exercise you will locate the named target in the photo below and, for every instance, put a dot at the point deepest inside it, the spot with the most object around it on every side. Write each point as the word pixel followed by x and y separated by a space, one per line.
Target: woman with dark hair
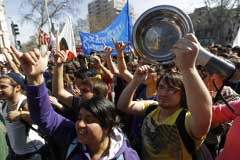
pixel 98 132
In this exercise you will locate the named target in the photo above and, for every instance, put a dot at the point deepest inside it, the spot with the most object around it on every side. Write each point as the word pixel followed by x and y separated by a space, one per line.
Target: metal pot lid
pixel 157 29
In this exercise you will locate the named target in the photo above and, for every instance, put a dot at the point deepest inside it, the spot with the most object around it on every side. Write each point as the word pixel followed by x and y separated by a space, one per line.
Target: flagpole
pixel 46 7
pixel 128 22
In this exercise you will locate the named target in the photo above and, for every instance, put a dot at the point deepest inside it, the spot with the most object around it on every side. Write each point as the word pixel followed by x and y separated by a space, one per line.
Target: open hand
pixel 108 50
pixel 60 57
pixel 32 63
pixel 119 45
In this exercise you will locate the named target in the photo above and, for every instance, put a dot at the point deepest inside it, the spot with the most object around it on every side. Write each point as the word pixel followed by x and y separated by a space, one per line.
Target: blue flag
pixel 120 29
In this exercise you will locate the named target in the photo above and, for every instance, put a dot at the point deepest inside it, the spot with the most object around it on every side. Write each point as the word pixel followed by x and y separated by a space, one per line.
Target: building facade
pixel 217 25
pixel 102 12
pixel 4 33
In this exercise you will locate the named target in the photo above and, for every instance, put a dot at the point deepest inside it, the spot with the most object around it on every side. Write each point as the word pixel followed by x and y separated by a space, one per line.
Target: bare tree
pixel 29 45
pixel 228 4
pixel 220 21
pixel 38 11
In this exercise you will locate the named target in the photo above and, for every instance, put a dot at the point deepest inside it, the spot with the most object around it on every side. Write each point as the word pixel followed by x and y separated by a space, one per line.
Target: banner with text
pixel 120 29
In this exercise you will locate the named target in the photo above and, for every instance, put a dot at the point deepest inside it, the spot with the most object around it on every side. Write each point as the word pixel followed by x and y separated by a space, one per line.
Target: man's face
pixel 209 82
pixel 86 92
pixel 209 78
pixel 168 97
pixel 7 90
pixel 78 82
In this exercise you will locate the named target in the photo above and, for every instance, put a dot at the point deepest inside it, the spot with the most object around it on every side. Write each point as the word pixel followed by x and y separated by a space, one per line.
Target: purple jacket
pixel 63 129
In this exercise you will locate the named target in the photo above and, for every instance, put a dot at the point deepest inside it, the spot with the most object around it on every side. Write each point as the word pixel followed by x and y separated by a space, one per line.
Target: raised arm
pixel 58 85
pixel 125 101
pixel 41 112
pixel 222 114
pixel 15 59
pixel 105 70
pixel 12 64
pixel 198 98
pixel 110 64
pixel 122 66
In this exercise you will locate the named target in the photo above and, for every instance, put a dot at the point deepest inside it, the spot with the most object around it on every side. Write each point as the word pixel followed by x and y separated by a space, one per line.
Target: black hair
pixel 85 73
pixel 99 87
pixel 69 67
pixel 81 74
pixel 104 110
pixel 92 52
pixel 175 80
pixel 63 42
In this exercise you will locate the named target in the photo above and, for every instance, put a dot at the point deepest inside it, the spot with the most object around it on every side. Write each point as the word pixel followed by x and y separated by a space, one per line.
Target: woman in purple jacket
pixel 95 135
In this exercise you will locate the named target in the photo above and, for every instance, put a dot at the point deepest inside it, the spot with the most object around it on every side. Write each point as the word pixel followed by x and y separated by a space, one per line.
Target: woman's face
pixel 168 97
pixel 88 128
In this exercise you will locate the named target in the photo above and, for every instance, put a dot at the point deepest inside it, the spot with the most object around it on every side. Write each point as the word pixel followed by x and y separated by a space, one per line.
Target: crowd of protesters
pixel 101 106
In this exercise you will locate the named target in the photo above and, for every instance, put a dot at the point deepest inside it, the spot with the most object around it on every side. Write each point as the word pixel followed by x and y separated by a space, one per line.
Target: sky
pixel 13 11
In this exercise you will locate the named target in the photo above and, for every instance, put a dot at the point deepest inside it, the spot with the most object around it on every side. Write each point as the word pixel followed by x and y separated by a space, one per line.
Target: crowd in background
pixel 100 106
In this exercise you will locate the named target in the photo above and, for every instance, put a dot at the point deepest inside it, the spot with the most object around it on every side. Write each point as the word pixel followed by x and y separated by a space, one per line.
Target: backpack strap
pixel 150 109
pixel 28 125
pixel 3 106
pixel 22 104
pixel 187 140
pixel 180 123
